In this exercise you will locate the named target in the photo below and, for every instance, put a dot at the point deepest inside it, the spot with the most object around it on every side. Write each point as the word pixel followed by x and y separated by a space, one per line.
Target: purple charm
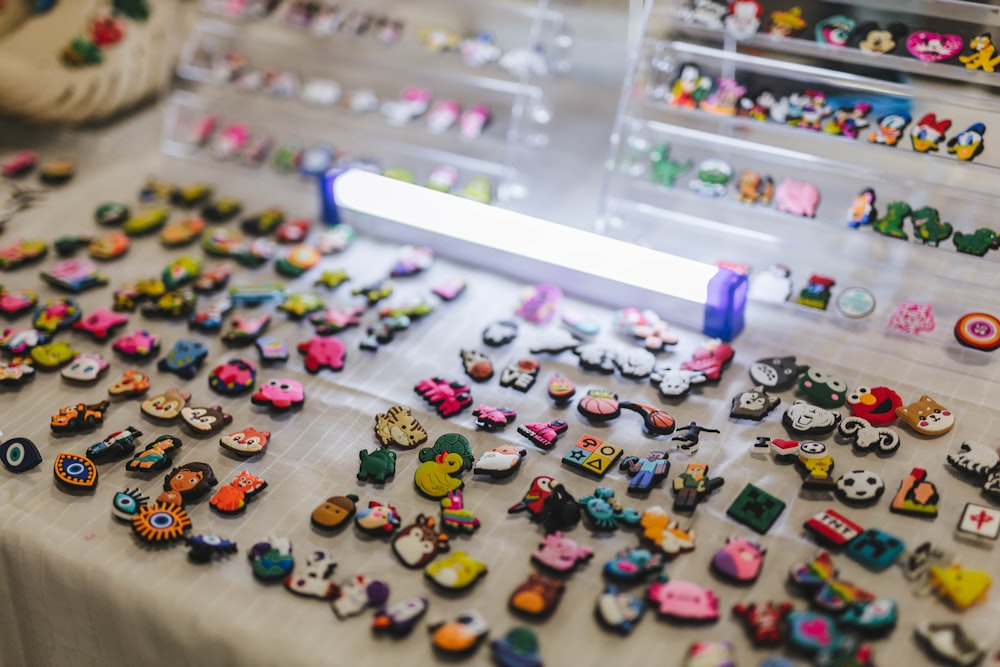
pixel 739 560
pixel 539 303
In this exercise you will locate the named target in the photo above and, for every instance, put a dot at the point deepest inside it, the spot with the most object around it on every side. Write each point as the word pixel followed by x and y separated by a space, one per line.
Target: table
pixel 77 590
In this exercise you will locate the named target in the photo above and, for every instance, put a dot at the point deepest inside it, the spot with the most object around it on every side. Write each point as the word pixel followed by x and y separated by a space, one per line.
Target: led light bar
pixel 593 267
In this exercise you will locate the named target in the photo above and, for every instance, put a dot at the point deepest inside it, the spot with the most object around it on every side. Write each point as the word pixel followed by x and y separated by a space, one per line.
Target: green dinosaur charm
pixel 891 224
pixel 927 226
pixel 978 242
pixel 665 171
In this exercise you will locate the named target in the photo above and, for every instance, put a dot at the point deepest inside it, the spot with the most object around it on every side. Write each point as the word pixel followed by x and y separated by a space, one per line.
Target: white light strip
pixel 499 229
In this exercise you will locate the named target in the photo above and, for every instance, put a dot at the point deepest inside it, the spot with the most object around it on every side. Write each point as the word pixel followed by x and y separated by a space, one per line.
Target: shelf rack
pixel 756 236
pixel 519 109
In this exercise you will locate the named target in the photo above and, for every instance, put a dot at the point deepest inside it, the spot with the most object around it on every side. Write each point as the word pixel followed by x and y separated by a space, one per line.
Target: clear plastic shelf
pixel 515 27
pixel 640 205
pixel 515 108
pixel 185 114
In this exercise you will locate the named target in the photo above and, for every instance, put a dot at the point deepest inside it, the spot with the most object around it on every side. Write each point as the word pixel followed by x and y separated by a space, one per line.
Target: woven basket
pixel 37 86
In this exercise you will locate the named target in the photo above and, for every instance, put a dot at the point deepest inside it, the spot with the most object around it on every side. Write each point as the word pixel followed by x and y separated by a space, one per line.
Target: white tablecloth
pixel 76 589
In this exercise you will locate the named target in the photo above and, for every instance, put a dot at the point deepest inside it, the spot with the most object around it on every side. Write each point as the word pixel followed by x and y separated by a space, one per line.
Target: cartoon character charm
pixel 646 472
pixel 419 543
pixel 537 596
pixel 683 600
pixel 334 512
pixel 740 560
pixel 184 358
pixel 457 571
pixel 166 406
pixel 397 426
pixel 156 455
pixel 115 446
pixel 187 483
pixel 927 417
pixel 314 577
pixel 205 420
pixel 754 403
pixel 377 519
pixel 802 418
pixel 399 618
pixel 233 498
pixel 280 394
pixel 560 553
pixel 500 462
pixel 79 417
pixel 323 352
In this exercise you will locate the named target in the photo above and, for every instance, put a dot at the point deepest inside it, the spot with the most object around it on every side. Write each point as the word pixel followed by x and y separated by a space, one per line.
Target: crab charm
pixel 604 513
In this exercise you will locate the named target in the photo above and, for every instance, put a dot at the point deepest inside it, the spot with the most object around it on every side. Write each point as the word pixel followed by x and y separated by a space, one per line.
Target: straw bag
pixel 36 85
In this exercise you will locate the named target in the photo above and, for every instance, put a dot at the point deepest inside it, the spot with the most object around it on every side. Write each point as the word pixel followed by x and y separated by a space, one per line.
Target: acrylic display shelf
pixel 363 66
pixel 640 204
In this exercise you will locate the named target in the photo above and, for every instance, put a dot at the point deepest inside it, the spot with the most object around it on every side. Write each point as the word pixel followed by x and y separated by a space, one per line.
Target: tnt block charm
pixel 592 455
pixel 832 528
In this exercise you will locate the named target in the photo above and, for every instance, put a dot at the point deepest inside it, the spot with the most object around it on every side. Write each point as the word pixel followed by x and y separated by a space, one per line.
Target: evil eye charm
pixel 19 455
pixel 204 548
pixel 160 523
pixel 126 504
pixel 75 473
pixel 835 30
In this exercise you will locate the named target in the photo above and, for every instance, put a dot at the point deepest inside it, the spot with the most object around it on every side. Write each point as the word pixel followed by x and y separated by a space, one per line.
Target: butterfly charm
pixel 820 576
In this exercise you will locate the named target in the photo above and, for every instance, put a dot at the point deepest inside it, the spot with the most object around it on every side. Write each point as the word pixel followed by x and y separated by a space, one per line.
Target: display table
pixel 79 590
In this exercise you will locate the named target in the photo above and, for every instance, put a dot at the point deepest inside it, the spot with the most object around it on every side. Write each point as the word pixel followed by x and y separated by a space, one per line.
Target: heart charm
pixel 932 47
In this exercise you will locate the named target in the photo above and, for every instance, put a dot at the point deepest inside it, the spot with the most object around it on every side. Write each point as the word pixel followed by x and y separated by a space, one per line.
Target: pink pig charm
pixel 797 198
pixel 560 553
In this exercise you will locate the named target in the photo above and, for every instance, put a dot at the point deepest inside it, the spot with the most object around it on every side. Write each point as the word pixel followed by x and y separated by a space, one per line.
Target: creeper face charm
pixel 756 508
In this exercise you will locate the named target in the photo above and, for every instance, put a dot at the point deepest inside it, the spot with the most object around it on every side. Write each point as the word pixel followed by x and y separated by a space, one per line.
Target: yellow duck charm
pixel 433 478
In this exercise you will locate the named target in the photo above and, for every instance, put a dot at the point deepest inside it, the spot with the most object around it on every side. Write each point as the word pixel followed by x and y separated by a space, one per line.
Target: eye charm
pixel 160 523
pixel 75 473
pixel 19 455
pixel 126 504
